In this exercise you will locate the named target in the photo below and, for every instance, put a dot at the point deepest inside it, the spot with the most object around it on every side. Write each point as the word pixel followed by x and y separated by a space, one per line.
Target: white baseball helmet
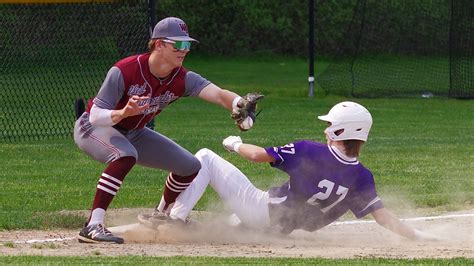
pixel 349 120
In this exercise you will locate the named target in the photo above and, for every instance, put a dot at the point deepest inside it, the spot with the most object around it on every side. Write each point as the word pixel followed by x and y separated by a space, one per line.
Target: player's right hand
pixel 232 143
pixel 135 105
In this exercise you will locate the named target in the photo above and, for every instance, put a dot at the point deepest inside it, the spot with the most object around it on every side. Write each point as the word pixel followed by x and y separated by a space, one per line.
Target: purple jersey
pixel 323 185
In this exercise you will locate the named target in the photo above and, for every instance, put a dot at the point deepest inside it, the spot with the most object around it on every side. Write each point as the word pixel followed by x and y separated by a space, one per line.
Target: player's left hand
pixel 243 110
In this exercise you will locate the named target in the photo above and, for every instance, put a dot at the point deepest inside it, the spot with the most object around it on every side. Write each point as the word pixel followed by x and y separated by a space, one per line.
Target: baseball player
pixel 136 89
pixel 325 180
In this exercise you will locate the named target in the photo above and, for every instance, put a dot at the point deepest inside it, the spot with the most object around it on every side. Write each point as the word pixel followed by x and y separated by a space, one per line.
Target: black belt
pixel 121 129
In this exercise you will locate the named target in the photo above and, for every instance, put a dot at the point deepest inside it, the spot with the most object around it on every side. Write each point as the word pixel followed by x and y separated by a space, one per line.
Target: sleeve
pixel 194 83
pixel 111 91
pixel 365 199
pixel 284 155
pixel 101 117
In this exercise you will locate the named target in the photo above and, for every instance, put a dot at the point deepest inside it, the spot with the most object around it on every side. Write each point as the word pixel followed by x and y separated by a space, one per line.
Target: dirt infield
pixel 215 238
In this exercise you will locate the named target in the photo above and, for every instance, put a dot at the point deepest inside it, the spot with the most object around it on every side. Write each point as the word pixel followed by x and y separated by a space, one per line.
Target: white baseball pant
pixel 249 203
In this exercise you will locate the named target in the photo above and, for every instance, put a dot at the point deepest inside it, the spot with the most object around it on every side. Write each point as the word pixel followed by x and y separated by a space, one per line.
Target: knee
pixel 190 167
pixel 131 153
pixel 206 156
pixel 195 165
pixel 204 153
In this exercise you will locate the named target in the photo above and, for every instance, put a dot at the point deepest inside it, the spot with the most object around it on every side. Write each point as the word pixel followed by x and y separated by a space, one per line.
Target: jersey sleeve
pixel 194 83
pixel 284 155
pixel 111 91
pixel 365 199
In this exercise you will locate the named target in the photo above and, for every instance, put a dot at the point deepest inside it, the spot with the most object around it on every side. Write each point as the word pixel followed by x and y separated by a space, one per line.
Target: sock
pixel 108 186
pixel 175 184
pixel 97 216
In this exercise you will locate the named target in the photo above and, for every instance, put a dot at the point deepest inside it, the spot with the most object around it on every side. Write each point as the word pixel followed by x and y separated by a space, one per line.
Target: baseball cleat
pixel 97 233
pixel 158 218
pixel 154 219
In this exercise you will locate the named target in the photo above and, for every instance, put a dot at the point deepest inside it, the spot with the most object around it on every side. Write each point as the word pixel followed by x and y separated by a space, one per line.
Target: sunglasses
pixel 180 45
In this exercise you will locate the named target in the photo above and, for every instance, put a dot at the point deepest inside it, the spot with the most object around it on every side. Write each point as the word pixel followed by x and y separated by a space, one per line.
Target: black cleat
pixel 158 218
pixel 97 233
pixel 153 220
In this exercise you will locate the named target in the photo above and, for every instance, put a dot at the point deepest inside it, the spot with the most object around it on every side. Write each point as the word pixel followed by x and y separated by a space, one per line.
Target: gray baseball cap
pixel 172 28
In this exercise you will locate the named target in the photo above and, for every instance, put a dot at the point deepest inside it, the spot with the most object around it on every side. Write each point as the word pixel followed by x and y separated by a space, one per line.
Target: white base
pixel 121 229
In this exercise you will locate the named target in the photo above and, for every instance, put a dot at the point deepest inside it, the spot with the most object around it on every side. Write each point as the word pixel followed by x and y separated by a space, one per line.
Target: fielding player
pixel 135 90
pixel 325 180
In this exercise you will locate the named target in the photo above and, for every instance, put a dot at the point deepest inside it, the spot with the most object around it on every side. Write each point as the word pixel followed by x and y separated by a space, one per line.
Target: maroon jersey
pixel 131 76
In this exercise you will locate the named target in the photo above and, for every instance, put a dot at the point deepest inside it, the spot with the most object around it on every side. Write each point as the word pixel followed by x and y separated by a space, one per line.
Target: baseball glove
pixel 79 107
pixel 246 108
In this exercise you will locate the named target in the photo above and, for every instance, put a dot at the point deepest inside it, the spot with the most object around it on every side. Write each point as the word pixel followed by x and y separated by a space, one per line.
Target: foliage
pixel 281 27
pixel 241 27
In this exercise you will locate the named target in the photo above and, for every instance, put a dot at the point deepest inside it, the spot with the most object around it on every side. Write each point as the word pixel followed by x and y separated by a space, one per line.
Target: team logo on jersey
pixel 160 102
pixel 136 89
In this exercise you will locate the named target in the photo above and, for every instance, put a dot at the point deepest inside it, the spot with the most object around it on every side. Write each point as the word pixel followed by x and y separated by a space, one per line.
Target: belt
pixel 121 129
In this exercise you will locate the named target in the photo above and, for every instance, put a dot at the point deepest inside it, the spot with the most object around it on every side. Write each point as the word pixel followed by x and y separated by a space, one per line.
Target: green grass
pixel 47 109
pixel 390 76
pixel 27 113
pixel 282 76
pixel 140 260
pixel 420 151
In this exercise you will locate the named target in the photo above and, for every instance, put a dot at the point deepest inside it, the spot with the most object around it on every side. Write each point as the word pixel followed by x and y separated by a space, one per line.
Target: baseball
pixel 247 123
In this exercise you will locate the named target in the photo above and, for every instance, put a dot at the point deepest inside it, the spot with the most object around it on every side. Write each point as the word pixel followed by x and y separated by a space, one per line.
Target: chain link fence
pixel 422 48
pixel 52 54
